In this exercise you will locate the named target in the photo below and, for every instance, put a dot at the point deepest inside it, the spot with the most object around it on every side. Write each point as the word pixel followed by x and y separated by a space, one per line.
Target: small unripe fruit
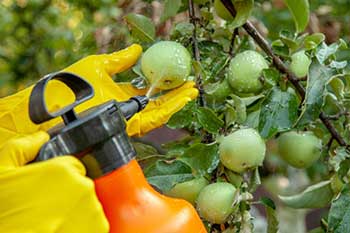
pixel 245 71
pixel 166 65
pixel 299 150
pixel 188 190
pixel 242 150
pixel 300 64
pixel 215 202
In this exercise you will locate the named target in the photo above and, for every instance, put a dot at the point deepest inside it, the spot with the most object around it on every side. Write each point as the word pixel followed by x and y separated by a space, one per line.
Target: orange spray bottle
pixel 98 138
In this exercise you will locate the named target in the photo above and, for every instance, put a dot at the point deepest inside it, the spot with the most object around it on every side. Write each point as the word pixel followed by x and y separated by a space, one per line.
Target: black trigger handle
pixel 38 111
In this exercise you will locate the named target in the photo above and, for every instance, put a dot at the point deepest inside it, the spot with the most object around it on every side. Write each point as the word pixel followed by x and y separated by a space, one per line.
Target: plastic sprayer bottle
pixel 98 138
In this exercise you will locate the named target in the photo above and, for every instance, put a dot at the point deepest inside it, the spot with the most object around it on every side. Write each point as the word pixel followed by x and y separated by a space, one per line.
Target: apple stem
pixel 264 45
pixel 199 81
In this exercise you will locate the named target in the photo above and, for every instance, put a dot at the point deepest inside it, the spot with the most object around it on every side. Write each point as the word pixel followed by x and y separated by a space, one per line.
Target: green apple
pixel 299 149
pixel 215 202
pixel 245 71
pixel 188 190
pixel 242 150
pixel 300 64
pixel 166 65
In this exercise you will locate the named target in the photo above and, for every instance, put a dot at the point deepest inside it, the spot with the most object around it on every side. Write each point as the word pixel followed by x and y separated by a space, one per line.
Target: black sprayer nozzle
pixel 133 105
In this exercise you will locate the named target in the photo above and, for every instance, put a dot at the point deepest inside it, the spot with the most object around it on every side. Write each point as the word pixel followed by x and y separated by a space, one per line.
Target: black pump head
pixel 96 136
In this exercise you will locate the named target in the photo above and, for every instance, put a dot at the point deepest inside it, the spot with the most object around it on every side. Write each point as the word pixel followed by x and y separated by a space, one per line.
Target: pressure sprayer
pixel 98 138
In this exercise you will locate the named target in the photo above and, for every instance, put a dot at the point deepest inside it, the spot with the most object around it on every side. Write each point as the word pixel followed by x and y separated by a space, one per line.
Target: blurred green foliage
pixel 328 13
pixel 42 36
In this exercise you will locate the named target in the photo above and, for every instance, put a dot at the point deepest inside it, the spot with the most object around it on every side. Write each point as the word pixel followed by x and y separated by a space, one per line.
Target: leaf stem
pixel 199 81
pixel 264 45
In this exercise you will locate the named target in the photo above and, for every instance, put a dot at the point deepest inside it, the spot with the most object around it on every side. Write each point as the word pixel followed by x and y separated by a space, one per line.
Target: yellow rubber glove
pixel 96 69
pixel 47 197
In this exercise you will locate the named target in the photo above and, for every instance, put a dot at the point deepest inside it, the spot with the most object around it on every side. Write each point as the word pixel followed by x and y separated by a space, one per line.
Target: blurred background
pixel 42 36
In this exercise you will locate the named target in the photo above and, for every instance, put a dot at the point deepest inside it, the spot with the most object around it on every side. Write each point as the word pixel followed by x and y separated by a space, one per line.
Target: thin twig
pixel 336 116
pixel 329 143
pixel 264 45
pixel 207 137
pixel 199 81
pixel 234 35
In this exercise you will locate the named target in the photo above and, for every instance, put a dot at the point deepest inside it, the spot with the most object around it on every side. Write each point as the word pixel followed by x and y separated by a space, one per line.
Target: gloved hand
pixel 47 197
pixel 96 69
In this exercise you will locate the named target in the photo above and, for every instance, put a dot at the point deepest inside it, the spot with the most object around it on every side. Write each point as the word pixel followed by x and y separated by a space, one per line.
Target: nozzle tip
pixel 142 101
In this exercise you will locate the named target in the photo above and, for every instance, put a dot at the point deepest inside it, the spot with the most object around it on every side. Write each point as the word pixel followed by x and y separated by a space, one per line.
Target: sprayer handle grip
pixel 38 111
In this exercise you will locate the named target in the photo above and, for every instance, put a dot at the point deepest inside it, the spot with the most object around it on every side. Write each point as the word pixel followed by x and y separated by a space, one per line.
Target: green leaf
pixel 278 113
pixel 251 100
pixel 199 70
pixel 239 107
pixel 182 29
pixel 271 77
pixel 137 70
pixel 270 208
pixel 202 158
pixel 219 65
pixel 315 196
pixel 288 39
pixel 280 50
pixel 317 230
pixel 255 180
pixel 341 155
pixel 164 175
pixel 182 118
pixel 253 119
pixel 142 28
pixel 208 119
pixel 324 51
pixel 337 86
pixel 178 148
pixel 312 41
pixel 342 44
pixel 339 214
pixel 338 64
pixel 331 104
pixel 300 11
pixel 217 92
pixel 171 7
pixel 243 9
pixel 141 81
pixel 230 116
pixel 318 77
pixel 144 149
